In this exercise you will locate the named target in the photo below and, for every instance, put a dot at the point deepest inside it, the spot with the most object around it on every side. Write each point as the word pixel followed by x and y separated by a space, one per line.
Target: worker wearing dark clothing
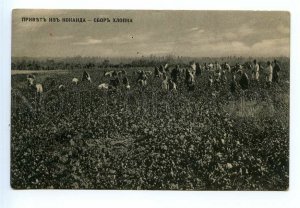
pixel 244 81
pixel 276 70
pixel 198 69
pixel 125 81
pixel 175 73
pixel 115 81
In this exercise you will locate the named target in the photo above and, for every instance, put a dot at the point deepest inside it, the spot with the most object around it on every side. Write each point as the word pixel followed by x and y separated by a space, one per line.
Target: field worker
pixel 165 83
pixel 236 68
pixel 198 69
pixel 193 68
pixel 211 66
pixel 210 81
pixel 142 78
pixel 255 72
pixel 244 81
pixel 190 80
pixel 162 69
pixel 205 66
pixel 223 76
pixel 217 66
pixel 175 73
pixel 157 73
pixel 115 81
pixel 269 71
pixel 172 85
pixel 217 74
pixel 227 67
pixel 125 81
pixel 30 81
pixel 86 77
pixel 233 85
pixel 276 70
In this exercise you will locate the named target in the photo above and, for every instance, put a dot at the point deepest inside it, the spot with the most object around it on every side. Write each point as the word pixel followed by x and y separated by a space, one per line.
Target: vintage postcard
pixel 150 100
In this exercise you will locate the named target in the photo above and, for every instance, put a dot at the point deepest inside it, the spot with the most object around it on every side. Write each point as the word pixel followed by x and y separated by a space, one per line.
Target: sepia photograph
pixel 190 100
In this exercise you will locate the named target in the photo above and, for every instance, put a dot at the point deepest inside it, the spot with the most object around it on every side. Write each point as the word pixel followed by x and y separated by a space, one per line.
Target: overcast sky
pixel 183 33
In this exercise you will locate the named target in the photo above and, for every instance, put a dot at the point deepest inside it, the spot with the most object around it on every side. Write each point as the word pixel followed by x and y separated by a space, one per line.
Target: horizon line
pixel 149 56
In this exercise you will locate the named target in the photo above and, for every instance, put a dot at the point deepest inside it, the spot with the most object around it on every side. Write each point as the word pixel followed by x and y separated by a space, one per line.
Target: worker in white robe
pixel 269 74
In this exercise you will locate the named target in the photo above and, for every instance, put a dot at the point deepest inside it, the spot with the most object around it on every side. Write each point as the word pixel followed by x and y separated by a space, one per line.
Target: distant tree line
pixel 70 63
